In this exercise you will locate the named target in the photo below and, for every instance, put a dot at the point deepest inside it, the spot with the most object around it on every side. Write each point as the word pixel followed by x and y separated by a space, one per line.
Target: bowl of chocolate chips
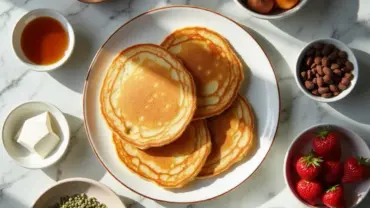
pixel 326 70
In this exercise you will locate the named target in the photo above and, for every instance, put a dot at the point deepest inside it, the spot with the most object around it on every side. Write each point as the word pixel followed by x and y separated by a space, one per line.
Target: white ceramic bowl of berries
pixel 327 166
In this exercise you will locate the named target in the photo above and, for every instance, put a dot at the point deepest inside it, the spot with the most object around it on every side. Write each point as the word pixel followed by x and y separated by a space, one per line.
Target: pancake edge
pixel 241 156
pixel 150 144
pixel 208 147
pixel 233 53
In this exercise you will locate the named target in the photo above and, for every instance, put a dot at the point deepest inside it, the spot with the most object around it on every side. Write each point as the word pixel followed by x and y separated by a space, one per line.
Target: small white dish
pixel 279 15
pixel 352 145
pixel 74 186
pixel 92 1
pixel 14 122
pixel 351 57
pixel 28 17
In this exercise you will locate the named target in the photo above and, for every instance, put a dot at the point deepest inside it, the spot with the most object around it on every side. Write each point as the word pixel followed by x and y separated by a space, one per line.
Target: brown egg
pixel 286 4
pixel 261 6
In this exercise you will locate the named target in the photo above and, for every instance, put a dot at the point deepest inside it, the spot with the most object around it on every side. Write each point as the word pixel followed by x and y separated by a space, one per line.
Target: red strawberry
pixel 327 145
pixel 333 197
pixel 308 167
pixel 355 170
pixel 309 190
pixel 332 172
pixel 296 158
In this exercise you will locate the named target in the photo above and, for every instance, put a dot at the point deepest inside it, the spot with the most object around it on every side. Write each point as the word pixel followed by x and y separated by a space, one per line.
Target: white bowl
pixel 74 186
pixel 351 57
pixel 92 1
pixel 14 122
pixel 352 145
pixel 280 15
pixel 28 17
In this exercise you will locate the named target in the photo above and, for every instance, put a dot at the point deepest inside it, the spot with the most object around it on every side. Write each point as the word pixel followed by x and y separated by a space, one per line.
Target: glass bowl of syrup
pixel 43 39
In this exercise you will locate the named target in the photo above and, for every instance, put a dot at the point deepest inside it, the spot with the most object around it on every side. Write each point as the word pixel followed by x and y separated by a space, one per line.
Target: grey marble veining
pixel 348 21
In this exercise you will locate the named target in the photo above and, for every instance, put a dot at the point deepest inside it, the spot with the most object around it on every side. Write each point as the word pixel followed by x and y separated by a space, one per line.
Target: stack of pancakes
pixel 174 109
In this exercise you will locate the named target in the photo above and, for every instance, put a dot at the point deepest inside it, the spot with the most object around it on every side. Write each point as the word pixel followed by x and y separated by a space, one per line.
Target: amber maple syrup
pixel 44 41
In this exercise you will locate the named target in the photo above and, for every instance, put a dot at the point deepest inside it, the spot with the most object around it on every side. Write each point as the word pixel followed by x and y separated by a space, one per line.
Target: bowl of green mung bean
pixel 78 193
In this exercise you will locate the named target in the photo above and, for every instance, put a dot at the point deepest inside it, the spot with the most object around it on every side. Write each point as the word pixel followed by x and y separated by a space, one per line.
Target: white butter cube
pixel 38 136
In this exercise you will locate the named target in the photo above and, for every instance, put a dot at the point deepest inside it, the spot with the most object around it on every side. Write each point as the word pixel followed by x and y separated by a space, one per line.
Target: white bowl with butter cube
pixel 36 134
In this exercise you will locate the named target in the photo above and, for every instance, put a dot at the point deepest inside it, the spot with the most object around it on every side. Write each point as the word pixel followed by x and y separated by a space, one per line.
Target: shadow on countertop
pixel 309 23
pixel 130 203
pixel 7 201
pixel 365 203
pixel 353 105
pixel 79 160
pixel 73 73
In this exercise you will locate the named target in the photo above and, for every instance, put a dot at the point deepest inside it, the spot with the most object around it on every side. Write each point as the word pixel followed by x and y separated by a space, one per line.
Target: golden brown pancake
pixel 173 165
pixel 148 97
pixel 232 135
pixel 217 71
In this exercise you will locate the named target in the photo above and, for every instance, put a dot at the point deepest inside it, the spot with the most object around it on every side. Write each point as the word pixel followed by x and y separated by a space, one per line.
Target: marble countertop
pixel 348 21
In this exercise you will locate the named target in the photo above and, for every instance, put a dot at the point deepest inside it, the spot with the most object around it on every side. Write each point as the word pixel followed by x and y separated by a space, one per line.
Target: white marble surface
pixel 348 21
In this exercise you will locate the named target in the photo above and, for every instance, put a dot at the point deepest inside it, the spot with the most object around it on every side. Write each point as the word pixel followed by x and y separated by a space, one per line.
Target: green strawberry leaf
pixel 310 159
pixel 323 133
pixel 333 188
pixel 363 161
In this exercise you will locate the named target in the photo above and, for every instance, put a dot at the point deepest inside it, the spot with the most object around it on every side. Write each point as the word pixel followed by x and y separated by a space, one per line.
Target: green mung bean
pixel 78 201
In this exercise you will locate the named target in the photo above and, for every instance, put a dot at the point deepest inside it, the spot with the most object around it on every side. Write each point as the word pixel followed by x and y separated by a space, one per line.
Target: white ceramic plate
pixel 261 90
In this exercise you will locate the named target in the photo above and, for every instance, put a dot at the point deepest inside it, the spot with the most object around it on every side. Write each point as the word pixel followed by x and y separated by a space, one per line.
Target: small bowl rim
pixel 359 138
pixel 282 15
pixel 342 95
pixel 80 179
pixel 70 47
pixel 92 2
pixel 67 136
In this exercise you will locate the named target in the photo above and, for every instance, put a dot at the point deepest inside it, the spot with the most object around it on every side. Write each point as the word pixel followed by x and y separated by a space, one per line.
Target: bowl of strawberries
pixel 328 166
pixel 271 9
